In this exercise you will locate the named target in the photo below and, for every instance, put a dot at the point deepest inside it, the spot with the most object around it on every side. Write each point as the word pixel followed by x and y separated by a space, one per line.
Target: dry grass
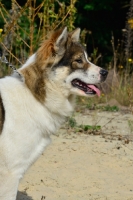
pixel 25 26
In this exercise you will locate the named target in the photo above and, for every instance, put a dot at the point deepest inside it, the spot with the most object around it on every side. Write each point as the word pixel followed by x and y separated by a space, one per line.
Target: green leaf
pixel 89 7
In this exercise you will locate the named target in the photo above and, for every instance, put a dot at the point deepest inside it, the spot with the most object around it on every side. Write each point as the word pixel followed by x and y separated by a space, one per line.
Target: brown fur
pixel 86 66
pixel 34 79
pixel 47 49
pixel 34 74
pixel 2 114
pixel 74 53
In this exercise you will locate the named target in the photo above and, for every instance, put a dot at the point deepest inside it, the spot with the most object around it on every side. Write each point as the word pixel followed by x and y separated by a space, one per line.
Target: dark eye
pixel 78 61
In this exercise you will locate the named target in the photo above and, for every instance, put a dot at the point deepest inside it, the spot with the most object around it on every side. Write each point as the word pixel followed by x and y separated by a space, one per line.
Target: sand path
pixel 84 167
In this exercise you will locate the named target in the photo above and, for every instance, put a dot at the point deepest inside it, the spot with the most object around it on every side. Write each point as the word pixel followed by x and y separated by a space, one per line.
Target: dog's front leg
pixel 8 186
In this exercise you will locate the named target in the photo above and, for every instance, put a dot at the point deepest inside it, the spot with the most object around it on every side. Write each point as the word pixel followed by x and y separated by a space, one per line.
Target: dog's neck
pixel 59 108
pixel 57 103
pixel 51 95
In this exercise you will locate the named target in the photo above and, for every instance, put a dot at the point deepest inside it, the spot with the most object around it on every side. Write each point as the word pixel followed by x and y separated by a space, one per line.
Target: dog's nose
pixel 104 73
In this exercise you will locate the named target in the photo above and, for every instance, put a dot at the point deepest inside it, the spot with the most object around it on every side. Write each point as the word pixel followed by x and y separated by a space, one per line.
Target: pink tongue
pixel 95 89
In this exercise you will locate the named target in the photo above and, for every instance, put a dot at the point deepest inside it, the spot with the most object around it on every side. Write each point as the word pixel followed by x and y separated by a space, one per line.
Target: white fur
pixel 30 60
pixel 76 35
pixel 62 38
pixel 27 129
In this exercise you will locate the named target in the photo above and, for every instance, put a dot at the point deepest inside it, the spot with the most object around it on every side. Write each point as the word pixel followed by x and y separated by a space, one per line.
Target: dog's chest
pixel 30 137
pixel 30 155
pixel 28 125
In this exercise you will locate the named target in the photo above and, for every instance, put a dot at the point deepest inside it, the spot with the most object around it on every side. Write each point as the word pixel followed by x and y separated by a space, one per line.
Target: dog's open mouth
pixel 87 88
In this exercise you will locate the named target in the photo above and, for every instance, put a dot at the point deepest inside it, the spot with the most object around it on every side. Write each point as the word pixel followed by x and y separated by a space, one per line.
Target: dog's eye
pixel 78 61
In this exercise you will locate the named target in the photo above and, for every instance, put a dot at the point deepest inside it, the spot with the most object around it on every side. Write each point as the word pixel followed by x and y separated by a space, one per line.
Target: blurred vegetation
pixel 24 25
pixel 29 19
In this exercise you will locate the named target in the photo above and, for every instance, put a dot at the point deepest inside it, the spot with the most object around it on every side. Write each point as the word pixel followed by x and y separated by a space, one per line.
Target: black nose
pixel 104 73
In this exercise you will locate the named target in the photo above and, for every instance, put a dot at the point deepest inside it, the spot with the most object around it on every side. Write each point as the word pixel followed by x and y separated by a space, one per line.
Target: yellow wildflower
pixel 130 21
pixel 120 66
pixel 1 30
pixel 129 60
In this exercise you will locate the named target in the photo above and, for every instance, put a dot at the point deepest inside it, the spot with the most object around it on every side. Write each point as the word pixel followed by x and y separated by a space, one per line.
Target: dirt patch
pixel 84 167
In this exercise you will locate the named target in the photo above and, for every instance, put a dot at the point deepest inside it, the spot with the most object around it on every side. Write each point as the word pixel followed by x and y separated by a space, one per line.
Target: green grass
pixel 72 122
pixel 90 128
pixel 108 108
pixel 82 128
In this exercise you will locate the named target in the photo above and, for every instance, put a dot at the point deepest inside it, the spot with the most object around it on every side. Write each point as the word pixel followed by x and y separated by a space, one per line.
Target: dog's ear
pixel 61 40
pixel 52 46
pixel 75 35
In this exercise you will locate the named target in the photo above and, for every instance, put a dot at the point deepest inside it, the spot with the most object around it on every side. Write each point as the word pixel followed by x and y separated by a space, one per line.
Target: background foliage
pixel 98 19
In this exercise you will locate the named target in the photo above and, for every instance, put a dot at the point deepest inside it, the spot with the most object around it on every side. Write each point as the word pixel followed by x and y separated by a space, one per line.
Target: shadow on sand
pixel 23 196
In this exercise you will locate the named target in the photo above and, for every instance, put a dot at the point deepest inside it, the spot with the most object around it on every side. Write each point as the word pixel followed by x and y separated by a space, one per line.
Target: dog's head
pixel 70 67
pixel 61 65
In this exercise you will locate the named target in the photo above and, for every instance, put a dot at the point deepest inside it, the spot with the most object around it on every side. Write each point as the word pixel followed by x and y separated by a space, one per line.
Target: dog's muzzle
pixel 104 74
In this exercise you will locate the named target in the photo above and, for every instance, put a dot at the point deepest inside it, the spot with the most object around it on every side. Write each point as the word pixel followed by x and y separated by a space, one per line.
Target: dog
pixel 35 102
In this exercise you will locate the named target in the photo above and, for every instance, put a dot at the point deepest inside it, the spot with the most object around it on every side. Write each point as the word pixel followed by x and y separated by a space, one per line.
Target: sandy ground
pixel 85 167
